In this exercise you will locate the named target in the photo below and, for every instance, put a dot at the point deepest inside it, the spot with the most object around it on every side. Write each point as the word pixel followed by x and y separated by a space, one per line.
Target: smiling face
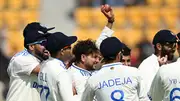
pixel 126 56
pixel 126 60
pixel 168 49
pixel 41 52
pixel 38 50
pixel 90 60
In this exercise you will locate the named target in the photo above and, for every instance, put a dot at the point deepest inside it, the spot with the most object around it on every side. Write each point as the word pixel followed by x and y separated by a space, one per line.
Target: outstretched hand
pixel 108 12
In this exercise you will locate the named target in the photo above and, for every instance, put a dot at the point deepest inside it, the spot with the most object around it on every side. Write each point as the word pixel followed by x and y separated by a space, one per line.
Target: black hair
pixel 84 47
pixel 126 51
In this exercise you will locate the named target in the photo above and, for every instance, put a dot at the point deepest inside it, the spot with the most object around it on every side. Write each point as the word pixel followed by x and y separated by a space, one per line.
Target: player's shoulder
pixel 168 70
pixel 54 64
pixel 122 67
pixel 149 59
pixel 168 67
pixel 75 70
pixel 132 71
pixel 23 57
pixel 117 67
pixel 51 61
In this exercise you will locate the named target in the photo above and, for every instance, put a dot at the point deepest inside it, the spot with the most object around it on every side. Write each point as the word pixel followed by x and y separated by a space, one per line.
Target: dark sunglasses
pixel 41 42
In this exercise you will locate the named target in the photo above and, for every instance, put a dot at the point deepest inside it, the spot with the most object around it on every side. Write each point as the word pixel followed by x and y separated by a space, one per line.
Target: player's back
pixel 51 76
pixel 23 84
pixel 116 82
pixel 169 82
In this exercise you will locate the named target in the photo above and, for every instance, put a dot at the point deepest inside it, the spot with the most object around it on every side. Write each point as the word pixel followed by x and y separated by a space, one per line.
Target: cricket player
pixel 87 55
pixel 126 55
pixel 54 81
pixel 24 66
pixel 166 83
pixel 164 45
pixel 79 73
pixel 114 81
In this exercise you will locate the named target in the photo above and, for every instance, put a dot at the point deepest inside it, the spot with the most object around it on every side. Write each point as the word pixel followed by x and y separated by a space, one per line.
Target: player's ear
pixel 83 57
pixel 159 46
pixel 31 47
pixel 119 56
pixel 61 52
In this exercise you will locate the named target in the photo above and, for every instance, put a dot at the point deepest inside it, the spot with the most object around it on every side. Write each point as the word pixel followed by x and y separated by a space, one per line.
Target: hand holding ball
pixel 107 8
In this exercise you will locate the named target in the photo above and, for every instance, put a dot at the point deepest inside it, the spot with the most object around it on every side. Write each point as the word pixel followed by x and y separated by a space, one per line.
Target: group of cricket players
pixel 50 69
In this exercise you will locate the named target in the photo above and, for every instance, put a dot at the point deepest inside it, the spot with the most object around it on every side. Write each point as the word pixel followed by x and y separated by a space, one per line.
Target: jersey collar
pixel 111 64
pixel 81 69
pixel 62 64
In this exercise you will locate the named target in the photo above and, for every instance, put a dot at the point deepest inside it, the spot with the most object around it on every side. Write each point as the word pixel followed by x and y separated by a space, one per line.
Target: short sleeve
pixel 106 32
pixel 24 65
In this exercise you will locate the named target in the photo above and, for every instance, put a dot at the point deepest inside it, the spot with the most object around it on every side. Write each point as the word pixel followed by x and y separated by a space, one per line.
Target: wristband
pixel 110 20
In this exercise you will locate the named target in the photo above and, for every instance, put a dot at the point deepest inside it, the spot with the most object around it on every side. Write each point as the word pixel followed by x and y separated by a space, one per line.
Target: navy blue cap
pixel 124 45
pixel 58 41
pixel 35 26
pixel 35 31
pixel 164 36
pixel 110 47
pixel 178 36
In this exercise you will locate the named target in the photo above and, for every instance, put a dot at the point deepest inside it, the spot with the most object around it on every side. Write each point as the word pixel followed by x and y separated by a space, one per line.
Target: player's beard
pixel 42 55
pixel 169 53
pixel 89 66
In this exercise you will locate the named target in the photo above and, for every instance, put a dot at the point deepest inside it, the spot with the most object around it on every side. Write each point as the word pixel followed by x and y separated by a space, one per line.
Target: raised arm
pixel 108 13
pixel 106 32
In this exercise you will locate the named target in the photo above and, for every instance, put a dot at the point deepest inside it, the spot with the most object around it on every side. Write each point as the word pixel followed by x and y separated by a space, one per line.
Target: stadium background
pixel 136 22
